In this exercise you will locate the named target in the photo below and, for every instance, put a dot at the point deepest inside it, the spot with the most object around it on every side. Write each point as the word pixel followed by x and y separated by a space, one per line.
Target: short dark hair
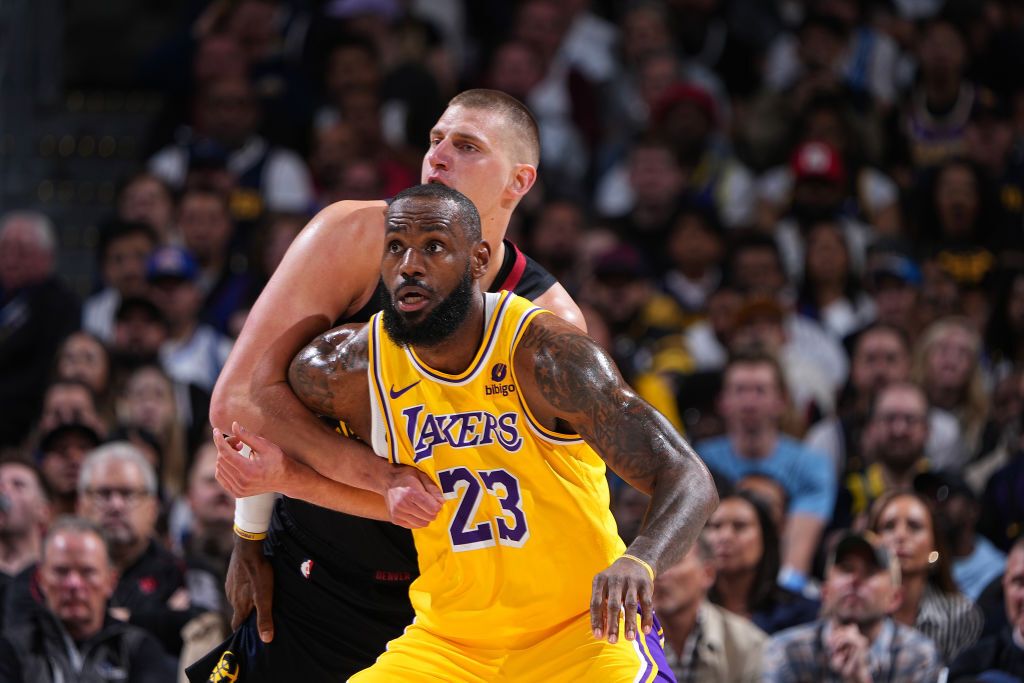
pixel 469 216
pixel 524 126
pixel 44 486
pixel 113 230
pixel 757 356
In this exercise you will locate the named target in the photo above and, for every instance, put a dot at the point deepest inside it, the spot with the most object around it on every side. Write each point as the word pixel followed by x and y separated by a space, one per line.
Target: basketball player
pixel 510 411
pixel 338 616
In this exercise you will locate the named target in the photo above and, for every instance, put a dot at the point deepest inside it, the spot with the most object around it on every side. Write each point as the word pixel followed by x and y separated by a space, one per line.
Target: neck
pixel 828 292
pixel 913 591
pixel 941 91
pixel 734 591
pixel 899 478
pixel 18 551
pixel 754 443
pixel 126 555
pixel 455 353
pixel 679 625
pixel 184 330
pixel 963 542
pixel 65 504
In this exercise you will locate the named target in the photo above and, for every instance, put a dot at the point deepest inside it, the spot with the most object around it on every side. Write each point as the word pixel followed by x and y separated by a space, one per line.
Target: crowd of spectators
pixel 797 225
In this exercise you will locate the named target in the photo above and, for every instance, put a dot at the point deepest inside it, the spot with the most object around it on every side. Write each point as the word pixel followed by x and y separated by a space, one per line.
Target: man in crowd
pixel 703 641
pixel 856 639
pixel 752 403
pixel 1004 651
pixel 36 312
pixel 74 638
pixel 117 491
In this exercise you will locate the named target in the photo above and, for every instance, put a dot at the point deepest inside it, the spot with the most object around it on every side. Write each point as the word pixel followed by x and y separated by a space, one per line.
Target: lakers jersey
pixel 527 524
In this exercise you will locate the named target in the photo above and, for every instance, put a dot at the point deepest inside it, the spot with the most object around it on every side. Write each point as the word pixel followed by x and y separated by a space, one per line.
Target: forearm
pixel 309 485
pixel 800 540
pixel 276 413
pixel 683 496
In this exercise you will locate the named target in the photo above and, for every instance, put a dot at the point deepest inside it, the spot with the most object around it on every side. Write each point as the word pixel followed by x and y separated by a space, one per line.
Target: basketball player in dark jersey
pixel 340 578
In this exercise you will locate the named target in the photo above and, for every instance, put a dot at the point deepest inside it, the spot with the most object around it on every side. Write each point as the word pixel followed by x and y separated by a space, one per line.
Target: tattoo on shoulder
pixel 580 381
pixel 316 373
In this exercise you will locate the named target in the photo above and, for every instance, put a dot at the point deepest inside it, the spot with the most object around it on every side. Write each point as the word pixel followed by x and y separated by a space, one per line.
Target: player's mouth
pixel 409 299
pixel 434 179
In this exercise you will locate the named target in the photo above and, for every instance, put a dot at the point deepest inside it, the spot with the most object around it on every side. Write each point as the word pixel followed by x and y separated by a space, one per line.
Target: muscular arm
pixel 566 376
pixel 331 270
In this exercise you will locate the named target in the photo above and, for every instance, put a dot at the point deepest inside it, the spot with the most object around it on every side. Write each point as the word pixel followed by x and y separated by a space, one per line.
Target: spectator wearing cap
pixel 820 190
pixel 62 450
pixel 37 311
pixel 207 227
pixel 194 352
pixel 911 530
pixel 872 197
pixel 261 175
pixel 894 282
pixel 704 641
pixel 140 329
pixel 688 117
pixel 856 639
pixel 976 562
pixel 123 250
pixel 1003 652
pixel 72 637
pixel 752 404
pixel 879 357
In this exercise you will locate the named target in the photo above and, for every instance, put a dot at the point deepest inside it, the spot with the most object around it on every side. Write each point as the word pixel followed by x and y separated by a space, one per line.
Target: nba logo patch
pixel 306 567
pixel 498 372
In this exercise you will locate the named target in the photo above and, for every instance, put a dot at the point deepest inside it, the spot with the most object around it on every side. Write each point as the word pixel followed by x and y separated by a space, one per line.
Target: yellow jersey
pixel 513 553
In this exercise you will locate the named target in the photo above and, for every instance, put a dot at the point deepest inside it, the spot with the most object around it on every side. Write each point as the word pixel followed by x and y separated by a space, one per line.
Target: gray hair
pixel 44 235
pixel 116 451
pixel 78 526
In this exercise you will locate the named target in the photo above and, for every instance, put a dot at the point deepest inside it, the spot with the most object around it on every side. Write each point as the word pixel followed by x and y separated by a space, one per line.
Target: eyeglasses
pixel 105 495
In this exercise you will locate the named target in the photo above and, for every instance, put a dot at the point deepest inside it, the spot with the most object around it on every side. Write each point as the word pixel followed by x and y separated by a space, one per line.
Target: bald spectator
pixel 703 641
pixel 37 312
pixel 74 638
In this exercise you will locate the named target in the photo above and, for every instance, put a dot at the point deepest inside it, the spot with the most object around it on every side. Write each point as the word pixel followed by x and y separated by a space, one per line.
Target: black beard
pixel 439 324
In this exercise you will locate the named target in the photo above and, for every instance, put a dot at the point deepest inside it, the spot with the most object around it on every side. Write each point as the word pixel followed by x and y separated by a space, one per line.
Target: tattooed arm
pixel 566 377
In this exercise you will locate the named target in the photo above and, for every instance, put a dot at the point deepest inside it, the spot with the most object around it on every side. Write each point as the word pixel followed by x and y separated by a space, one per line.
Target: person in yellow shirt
pixel 513 413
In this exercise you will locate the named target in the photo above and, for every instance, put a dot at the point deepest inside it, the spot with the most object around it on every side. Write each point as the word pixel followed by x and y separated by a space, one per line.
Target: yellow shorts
pixel 571 654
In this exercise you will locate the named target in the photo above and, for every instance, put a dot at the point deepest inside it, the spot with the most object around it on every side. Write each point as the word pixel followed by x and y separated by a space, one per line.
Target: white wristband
pixel 252 513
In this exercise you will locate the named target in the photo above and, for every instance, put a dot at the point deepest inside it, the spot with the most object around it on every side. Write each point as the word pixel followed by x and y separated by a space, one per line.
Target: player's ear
pixel 480 258
pixel 523 178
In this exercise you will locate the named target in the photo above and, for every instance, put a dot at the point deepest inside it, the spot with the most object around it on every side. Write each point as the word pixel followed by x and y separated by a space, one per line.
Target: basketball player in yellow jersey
pixel 510 411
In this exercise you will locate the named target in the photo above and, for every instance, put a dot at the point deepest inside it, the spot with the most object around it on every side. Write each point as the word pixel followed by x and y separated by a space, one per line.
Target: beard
pixel 438 325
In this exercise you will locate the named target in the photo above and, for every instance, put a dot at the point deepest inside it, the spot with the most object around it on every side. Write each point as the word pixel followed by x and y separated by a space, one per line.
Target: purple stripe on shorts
pixel 653 641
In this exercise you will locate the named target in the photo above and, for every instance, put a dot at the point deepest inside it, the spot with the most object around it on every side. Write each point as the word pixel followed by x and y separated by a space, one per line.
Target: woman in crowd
pixel 830 292
pixel 148 402
pixel 931 602
pixel 947 363
pixel 746 546
pixel 84 358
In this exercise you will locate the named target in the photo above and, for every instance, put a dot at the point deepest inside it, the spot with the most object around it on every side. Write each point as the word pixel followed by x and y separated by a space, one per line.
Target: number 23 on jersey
pixel 468 487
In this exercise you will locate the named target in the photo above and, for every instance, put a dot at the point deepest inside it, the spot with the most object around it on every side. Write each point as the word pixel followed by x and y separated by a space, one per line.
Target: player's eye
pixel 394 247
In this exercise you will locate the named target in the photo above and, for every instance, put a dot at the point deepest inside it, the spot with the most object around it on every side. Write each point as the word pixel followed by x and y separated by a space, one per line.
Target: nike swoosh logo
pixel 395 394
